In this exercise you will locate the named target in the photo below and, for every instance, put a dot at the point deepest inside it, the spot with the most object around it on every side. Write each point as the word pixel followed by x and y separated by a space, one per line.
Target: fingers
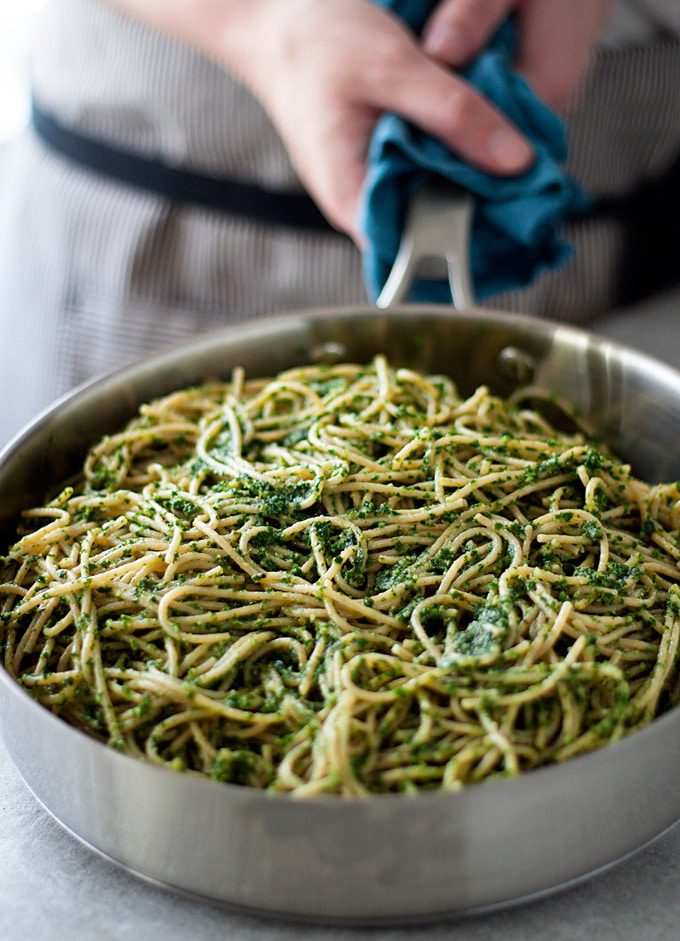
pixel 557 37
pixel 335 168
pixel 325 106
pixel 444 105
pixel 458 29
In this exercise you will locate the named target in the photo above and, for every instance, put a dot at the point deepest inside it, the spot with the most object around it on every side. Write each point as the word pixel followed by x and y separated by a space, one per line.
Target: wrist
pixel 227 31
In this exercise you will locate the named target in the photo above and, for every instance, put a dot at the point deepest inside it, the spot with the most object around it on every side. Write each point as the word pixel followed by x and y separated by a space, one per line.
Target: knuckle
pixel 464 110
pixel 389 56
pixel 454 13
pixel 472 15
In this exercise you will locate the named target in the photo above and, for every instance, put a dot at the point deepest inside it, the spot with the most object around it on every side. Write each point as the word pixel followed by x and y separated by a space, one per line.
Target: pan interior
pixel 632 402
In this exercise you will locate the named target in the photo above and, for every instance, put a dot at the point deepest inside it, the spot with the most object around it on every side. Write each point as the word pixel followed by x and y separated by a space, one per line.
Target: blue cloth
pixel 517 219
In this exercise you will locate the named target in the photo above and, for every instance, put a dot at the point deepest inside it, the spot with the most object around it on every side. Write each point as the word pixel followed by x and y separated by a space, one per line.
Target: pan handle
pixel 435 243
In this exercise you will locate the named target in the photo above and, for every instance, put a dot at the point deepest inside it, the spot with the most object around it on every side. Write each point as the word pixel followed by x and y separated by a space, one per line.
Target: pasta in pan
pixel 348 579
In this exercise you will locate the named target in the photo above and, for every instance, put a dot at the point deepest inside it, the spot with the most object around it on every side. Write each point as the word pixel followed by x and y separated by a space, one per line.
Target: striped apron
pixel 94 272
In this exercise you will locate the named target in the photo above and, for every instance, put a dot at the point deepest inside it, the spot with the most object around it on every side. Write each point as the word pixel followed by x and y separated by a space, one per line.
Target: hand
pixel 555 39
pixel 326 69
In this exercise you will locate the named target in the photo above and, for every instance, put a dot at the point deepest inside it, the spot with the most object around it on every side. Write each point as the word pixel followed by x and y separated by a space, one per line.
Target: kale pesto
pixel 348 579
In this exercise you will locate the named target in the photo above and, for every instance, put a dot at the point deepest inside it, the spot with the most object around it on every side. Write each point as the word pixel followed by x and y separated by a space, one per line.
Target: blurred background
pixel 651 325
pixel 17 22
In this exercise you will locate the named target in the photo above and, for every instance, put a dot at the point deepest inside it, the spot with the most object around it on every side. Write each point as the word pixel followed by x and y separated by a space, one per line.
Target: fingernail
pixel 447 43
pixel 509 150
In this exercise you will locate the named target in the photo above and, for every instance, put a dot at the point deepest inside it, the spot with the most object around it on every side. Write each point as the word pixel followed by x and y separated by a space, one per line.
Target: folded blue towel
pixel 517 219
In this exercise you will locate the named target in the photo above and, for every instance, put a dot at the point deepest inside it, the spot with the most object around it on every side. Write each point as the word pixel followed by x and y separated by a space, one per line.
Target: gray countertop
pixel 53 888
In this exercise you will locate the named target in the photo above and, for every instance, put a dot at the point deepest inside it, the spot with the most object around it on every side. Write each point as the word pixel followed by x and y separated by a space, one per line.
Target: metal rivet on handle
pixel 330 352
pixel 517 366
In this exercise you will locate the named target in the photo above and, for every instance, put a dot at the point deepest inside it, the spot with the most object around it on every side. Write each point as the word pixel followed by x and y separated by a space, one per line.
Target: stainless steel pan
pixel 387 857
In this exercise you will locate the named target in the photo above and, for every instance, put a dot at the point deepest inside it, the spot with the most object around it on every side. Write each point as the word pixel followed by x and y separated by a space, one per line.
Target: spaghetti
pixel 348 579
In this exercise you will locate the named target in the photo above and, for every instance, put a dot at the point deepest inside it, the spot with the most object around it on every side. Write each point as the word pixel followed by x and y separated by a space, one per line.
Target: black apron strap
pixel 178 185
pixel 648 213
